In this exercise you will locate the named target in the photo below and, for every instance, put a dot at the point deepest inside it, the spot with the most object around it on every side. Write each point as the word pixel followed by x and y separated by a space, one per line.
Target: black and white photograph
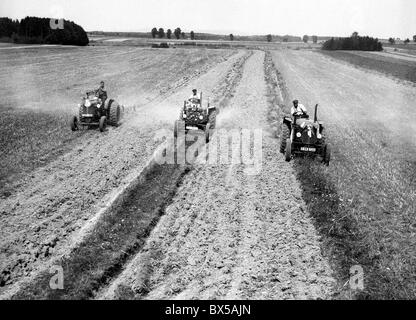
pixel 191 151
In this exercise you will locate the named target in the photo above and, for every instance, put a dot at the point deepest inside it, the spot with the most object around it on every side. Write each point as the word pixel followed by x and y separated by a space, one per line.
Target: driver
pixel 101 93
pixel 194 95
pixel 298 111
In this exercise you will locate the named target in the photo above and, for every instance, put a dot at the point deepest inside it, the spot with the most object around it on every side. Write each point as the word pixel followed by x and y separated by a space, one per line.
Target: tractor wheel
pixel 74 123
pixel 212 119
pixel 207 132
pixel 103 123
pixel 114 113
pixel 288 153
pixel 179 127
pixel 327 155
pixel 283 138
pixel 80 111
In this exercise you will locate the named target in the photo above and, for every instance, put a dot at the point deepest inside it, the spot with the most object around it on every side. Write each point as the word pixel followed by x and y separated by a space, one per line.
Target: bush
pixel 353 43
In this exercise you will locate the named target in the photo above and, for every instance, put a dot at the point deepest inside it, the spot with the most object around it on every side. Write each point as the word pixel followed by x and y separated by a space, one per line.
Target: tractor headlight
pixel 201 117
pixel 87 103
pixel 298 134
pixel 319 136
pixel 184 116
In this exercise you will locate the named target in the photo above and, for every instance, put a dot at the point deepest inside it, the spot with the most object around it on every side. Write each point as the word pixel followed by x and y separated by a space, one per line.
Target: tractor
pixel 92 112
pixel 195 116
pixel 302 136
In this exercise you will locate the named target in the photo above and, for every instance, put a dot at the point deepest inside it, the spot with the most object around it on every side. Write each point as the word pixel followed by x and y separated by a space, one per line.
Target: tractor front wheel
pixel 284 137
pixel 74 123
pixel 288 152
pixel 103 123
pixel 327 155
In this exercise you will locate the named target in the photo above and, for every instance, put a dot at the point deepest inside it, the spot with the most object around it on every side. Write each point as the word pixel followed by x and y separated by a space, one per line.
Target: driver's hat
pixel 295 101
pixel 193 90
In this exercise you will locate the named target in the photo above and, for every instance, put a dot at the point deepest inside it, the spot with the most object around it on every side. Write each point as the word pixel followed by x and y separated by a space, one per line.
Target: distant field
pixel 402 67
pixel 410 47
pixel 147 42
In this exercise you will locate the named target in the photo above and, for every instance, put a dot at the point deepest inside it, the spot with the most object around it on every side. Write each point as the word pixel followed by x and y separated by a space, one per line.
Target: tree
pixel 231 37
pixel 392 41
pixel 354 34
pixel 269 38
pixel 353 43
pixel 414 38
pixel 183 35
pixel 169 33
pixel 406 41
pixel 285 39
pixel 315 39
pixel 177 33
pixel 161 33
pixel 8 27
pixel 154 32
pixel 305 38
pixel 192 35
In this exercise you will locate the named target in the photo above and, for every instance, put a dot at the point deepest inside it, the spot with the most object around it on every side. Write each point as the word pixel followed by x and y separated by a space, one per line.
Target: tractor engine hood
pixel 88 102
pixel 196 115
pixel 309 133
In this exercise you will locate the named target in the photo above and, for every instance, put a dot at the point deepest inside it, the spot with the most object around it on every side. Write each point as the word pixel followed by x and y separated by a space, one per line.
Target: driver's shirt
pixel 102 94
pixel 194 96
pixel 300 108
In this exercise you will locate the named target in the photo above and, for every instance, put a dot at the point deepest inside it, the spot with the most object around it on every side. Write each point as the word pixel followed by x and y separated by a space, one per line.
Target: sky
pixel 377 18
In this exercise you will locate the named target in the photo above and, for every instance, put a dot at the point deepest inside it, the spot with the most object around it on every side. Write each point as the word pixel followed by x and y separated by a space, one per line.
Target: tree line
pixel 36 30
pixel 354 42
pixel 406 41
pixel 177 33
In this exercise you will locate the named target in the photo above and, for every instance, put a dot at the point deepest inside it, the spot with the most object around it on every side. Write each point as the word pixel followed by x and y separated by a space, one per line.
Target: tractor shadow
pixel 341 240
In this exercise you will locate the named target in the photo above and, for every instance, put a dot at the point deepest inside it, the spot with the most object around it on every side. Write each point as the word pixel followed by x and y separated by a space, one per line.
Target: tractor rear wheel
pixel 327 155
pixel 284 137
pixel 103 123
pixel 114 113
pixel 288 152
pixel 179 127
pixel 74 123
pixel 207 132
pixel 212 119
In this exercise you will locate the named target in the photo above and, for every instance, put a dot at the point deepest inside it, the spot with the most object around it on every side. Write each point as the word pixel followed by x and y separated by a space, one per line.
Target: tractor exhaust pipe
pixel 315 116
